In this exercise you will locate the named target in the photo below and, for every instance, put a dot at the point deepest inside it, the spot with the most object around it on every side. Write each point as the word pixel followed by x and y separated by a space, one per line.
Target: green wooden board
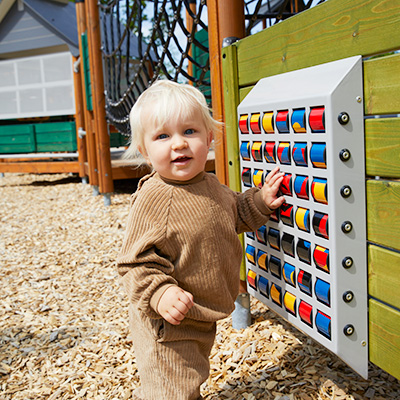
pixel 383 212
pixel 382 147
pixel 86 72
pixel 382 85
pixel 384 275
pixel 333 30
pixel 384 337
pixel 55 136
pixel 16 139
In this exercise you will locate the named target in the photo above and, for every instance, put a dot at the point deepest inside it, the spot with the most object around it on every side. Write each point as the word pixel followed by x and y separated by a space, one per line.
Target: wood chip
pixel 64 316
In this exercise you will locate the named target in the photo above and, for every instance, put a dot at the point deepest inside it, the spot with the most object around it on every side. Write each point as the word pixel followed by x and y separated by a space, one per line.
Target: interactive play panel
pixel 308 263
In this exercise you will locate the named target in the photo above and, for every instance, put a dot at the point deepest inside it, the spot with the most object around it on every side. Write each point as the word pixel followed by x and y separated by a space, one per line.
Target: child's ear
pixel 143 152
pixel 210 137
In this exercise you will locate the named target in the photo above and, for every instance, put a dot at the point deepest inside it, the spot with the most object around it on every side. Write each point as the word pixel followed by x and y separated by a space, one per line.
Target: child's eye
pixel 189 131
pixel 162 136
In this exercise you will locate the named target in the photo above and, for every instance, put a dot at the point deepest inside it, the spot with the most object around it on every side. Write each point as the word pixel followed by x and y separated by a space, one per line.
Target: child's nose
pixel 179 142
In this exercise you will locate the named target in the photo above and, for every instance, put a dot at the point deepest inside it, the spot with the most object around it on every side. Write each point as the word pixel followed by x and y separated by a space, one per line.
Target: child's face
pixel 178 150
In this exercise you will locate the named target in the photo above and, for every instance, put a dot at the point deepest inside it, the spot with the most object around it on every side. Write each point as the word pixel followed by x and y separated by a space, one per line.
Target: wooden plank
pixel 384 337
pixel 384 275
pixel 231 101
pixel 382 85
pixel 382 147
pixel 45 167
pixel 333 30
pixel 383 212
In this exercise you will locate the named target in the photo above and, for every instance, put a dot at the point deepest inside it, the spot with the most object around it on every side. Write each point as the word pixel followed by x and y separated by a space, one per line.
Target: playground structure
pixel 333 31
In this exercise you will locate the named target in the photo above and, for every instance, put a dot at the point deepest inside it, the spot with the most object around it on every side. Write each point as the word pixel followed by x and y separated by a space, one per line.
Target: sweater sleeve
pixel 252 211
pixel 145 269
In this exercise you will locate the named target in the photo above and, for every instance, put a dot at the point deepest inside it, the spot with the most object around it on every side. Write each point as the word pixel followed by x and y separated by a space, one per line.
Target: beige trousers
pixel 173 361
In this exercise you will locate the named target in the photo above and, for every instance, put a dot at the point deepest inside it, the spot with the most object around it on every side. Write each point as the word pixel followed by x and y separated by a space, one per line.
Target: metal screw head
pixel 347 226
pixel 359 99
pixel 347 262
pixel 363 343
pixel 345 191
pixel 348 296
pixel 348 330
pixel 344 154
pixel 343 118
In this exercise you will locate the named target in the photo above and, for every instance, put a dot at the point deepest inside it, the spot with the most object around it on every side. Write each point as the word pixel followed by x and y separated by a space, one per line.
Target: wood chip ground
pixel 63 314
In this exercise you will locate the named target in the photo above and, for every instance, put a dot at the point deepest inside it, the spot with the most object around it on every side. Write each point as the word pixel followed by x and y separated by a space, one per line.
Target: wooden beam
pixel 382 85
pixel 225 19
pixel 79 118
pixel 384 337
pixel 356 27
pixel 382 147
pixel 106 184
pixel 37 167
pixel 383 212
pixel 91 171
pixel 384 275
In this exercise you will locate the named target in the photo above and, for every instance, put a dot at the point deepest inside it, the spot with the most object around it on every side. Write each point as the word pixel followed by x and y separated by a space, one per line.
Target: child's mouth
pixel 181 160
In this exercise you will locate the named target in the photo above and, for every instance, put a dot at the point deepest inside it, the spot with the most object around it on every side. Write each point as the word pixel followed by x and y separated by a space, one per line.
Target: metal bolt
pixel 348 330
pixel 363 343
pixel 348 296
pixel 345 191
pixel 343 118
pixel 344 154
pixel 347 226
pixel 359 99
pixel 347 262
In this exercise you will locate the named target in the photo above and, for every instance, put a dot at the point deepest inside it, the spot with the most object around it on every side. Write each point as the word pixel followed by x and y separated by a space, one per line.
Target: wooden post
pixel 79 118
pixel 90 137
pixel 225 19
pixel 106 184
pixel 189 27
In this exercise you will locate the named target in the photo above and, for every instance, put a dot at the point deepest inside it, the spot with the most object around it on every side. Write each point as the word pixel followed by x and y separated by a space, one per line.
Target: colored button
pixel 250 254
pixel 299 120
pixel 300 154
pixel 304 279
pixel 319 190
pixel 262 260
pixel 289 300
pixel 282 121
pixel 244 123
pixel 255 123
pixel 301 187
pixel 245 151
pixel 289 274
pixel 256 151
pixel 316 119
pixel 268 122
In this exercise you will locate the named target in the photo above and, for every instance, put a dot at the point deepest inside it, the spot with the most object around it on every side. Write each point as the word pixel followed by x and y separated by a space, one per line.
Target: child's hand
pixel 270 189
pixel 174 304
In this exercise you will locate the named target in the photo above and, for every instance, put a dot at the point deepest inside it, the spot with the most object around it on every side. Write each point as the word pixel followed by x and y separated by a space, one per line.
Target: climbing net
pixel 144 40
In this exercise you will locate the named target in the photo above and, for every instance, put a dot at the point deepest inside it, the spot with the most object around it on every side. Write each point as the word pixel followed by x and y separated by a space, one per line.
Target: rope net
pixel 145 40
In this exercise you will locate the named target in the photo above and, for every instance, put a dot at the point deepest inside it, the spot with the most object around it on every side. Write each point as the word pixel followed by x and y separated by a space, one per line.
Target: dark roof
pixel 59 18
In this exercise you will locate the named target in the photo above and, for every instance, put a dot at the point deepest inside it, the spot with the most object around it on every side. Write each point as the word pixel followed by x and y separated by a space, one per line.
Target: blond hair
pixel 165 100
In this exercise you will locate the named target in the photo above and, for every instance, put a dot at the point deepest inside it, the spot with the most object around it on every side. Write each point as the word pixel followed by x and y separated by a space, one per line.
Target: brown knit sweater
pixel 186 235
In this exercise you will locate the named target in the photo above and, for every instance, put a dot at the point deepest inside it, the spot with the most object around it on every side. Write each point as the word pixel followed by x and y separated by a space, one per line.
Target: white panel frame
pixel 18 88
pixel 337 86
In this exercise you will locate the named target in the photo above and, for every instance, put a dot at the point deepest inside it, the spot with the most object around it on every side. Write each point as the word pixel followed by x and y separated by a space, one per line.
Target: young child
pixel 181 255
